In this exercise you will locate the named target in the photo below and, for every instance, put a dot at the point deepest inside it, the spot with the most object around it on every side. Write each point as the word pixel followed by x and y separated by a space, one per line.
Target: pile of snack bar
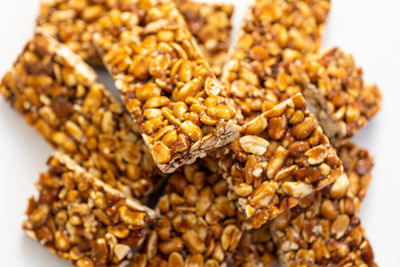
pixel 246 152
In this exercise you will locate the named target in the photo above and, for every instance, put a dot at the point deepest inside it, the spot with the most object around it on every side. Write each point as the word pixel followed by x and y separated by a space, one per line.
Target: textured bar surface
pixel 274 33
pixel 256 248
pixel 211 25
pixel 334 86
pixel 324 229
pixel 58 95
pixel 79 218
pixel 197 224
pixel 276 56
pixel 170 91
pixel 70 22
pixel 280 157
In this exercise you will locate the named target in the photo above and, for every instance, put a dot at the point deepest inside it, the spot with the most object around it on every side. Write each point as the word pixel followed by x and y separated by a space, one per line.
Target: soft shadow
pixel 35 254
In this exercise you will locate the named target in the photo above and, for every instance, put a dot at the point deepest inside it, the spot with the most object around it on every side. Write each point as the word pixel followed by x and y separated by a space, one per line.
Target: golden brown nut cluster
pixel 211 25
pixel 274 32
pixel 79 218
pixel 70 22
pixel 281 157
pixel 167 87
pixel 256 248
pixel 277 56
pixel 197 223
pixel 334 85
pixel 324 229
pixel 281 166
pixel 57 93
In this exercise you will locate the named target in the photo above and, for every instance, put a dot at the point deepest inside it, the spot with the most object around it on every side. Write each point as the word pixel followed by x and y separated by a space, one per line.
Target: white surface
pixel 368 29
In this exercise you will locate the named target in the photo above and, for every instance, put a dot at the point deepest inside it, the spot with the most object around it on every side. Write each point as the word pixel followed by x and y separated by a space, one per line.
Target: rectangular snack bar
pixel 324 229
pixel 57 94
pixel 256 248
pixel 334 86
pixel 197 224
pixel 280 157
pixel 274 32
pixel 170 91
pixel 266 67
pixel 70 22
pixel 79 218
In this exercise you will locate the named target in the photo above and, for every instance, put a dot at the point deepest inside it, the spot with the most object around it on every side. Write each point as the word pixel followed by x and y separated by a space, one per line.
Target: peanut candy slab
pixel 266 67
pixel 334 86
pixel 211 25
pixel 273 33
pixel 57 94
pixel 280 157
pixel 79 218
pixel 324 229
pixel 197 224
pixel 170 91
pixel 256 248
pixel 70 22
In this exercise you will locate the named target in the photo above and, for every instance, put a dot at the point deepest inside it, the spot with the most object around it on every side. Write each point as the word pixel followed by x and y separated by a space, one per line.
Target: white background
pixel 366 28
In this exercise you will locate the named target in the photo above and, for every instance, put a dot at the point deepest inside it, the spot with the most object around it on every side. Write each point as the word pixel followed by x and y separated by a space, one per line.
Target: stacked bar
pixel 167 87
pixel 274 32
pixel 256 248
pixel 197 224
pixel 79 218
pixel 57 93
pixel 324 229
pixel 70 22
pixel 276 57
pixel 334 86
pixel 217 211
pixel 281 157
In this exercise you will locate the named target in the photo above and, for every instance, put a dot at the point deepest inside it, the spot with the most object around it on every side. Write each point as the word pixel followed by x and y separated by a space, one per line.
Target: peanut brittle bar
pixel 70 22
pixel 266 67
pixel 170 91
pixel 79 218
pixel 197 224
pixel 324 229
pixel 256 248
pixel 280 157
pixel 57 93
pixel 274 32
pixel 334 86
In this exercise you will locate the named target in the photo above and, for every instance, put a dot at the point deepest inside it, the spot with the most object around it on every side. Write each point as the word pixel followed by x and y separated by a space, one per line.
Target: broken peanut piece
pixel 281 157
pixel 79 218
pixel 197 224
pixel 324 229
pixel 168 88
pixel 58 94
pixel 71 23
